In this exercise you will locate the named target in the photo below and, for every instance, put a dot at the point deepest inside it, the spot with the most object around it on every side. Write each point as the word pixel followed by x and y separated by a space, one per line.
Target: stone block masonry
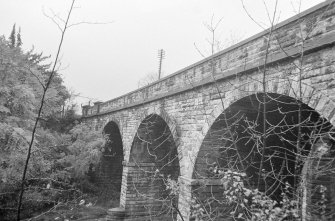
pixel 300 65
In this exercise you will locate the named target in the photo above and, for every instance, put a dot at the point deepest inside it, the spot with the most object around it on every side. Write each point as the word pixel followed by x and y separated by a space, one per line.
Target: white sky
pixel 106 61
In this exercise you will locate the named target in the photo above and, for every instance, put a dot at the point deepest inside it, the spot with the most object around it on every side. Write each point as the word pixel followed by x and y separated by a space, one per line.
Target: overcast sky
pixel 106 61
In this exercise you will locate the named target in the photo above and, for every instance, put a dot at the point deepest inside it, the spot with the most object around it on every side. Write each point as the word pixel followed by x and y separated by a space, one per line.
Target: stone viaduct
pixel 171 128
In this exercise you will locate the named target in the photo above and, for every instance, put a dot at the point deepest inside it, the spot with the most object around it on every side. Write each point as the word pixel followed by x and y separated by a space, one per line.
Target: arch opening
pixel 152 166
pixel 271 153
pixel 110 168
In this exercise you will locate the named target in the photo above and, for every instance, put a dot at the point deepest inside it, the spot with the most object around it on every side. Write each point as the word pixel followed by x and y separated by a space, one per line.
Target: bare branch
pixel 53 20
pixel 198 50
pixel 89 23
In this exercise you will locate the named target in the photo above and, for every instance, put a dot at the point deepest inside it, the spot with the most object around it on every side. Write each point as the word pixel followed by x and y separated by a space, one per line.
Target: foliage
pixel 62 153
pixel 84 152
pixel 18 38
pixel 12 37
pixel 61 123
pixel 244 203
pixel 251 204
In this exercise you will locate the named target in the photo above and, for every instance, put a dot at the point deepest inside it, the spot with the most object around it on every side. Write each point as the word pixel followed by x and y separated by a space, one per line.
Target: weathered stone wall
pixel 189 101
pixel 189 115
pixel 245 56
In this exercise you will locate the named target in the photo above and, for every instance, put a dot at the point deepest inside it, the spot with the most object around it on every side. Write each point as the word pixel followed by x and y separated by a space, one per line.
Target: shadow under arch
pixel 153 163
pixel 235 142
pixel 110 171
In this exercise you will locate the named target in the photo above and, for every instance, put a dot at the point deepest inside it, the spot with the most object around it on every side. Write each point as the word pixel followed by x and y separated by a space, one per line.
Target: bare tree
pixel 147 79
pixel 214 43
pixel 45 90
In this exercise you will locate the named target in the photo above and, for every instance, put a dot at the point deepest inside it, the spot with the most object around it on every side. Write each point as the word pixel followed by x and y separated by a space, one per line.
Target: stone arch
pixel 153 161
pixel 118 124
pixel 113 120
pixel 315 99
pixel 205 173
pixel 110 170
pixel 173 127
